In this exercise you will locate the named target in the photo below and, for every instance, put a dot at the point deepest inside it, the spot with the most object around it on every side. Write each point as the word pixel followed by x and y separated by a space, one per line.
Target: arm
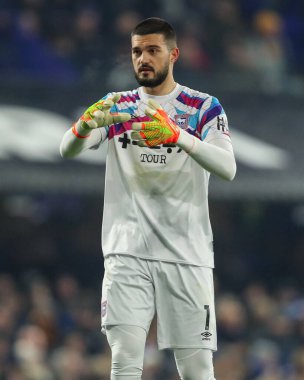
pixel 92 128
pixel 215 156
pixel 72 145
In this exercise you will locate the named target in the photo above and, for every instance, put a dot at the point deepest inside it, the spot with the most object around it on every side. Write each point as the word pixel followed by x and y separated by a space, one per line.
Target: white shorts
pixel 182 296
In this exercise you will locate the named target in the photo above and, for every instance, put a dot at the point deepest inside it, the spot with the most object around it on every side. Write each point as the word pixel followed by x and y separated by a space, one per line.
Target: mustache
pixel 144 67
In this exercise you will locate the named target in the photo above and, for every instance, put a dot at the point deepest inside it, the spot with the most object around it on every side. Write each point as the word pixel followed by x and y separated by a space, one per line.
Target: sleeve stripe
pixel 209 115
pixel 190 101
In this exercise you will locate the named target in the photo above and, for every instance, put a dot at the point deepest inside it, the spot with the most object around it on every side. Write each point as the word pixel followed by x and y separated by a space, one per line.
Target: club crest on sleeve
pixel 182 120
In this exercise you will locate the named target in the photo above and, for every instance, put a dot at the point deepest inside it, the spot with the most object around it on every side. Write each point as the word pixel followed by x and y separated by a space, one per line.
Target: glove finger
pixel 98 114
pixel 96 106
pixel 138 126
pixel 146 143
pixel 154 105
pixel 111 100
pixel 107 104
pixel 91 123
pixel 150 112
pixel 120 117
pixel 115 98
pixel 142 143
pixel 142 135
pixel 146 125
pixel 98 117
pixel 136 136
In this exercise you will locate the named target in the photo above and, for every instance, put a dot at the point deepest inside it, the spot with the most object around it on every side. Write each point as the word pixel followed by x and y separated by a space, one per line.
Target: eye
pixel 136 52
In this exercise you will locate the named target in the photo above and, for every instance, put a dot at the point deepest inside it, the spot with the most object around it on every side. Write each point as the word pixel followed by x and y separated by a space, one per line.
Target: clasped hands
pixel 161 130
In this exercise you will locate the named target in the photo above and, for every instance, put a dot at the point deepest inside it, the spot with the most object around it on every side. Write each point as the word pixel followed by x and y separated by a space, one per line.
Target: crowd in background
pixel 69 40
pixel 50 289
pixel 51 331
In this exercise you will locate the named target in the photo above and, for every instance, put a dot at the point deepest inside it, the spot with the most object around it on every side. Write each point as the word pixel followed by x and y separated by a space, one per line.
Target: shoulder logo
pixel 182 120
pixel 222 125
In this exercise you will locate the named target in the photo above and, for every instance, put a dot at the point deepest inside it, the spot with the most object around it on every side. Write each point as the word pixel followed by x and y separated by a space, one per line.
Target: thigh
pixel 127 292
pixel 185 306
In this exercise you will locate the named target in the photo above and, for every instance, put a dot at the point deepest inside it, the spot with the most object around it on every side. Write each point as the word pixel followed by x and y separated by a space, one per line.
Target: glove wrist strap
pixel 78 135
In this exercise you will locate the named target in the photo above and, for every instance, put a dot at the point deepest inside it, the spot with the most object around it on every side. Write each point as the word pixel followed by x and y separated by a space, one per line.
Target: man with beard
pixel 164 140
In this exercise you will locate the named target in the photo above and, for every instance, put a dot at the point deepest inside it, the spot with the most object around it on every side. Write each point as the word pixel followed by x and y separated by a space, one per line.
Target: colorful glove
pixel 161 130
pixel 99 115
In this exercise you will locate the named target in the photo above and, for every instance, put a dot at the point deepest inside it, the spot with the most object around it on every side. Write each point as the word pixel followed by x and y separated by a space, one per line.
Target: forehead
pixel 148 40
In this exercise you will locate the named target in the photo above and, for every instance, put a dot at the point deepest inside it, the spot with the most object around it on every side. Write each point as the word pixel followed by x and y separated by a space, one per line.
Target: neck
pixel 163 89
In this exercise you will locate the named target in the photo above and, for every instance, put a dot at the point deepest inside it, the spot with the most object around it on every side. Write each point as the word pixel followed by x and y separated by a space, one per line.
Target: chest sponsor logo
pixel 147 157
pixel 156 158
pixel 182 120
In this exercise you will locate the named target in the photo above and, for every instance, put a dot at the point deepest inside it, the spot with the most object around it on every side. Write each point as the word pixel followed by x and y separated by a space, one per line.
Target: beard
pixel 158 79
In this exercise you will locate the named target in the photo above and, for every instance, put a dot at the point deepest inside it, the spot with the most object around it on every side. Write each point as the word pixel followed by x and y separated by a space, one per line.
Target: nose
pixel 144 58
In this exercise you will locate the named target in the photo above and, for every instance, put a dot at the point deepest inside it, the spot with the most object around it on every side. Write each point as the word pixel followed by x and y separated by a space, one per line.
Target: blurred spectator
pixel 230 361
pixel 91 43
pixel 33 55
pixel 66 41
pixel 223 26
pixel 232 318
pixel 30 350
pixel 264 361
pixel 193 57
pixel 297 372
pixel 121 67
pixel 69 360
pixel 264 51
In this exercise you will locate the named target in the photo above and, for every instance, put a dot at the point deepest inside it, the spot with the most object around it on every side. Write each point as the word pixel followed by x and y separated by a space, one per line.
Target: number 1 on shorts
pixel 207 308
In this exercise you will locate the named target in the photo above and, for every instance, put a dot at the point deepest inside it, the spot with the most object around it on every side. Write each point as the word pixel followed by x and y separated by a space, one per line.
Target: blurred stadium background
pixel 59 56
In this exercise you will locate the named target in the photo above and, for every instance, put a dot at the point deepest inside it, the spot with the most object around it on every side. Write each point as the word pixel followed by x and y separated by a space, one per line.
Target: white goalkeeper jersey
pixel 155 201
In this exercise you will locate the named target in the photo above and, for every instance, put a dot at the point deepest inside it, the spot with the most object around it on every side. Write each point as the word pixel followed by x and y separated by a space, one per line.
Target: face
pixel 151 59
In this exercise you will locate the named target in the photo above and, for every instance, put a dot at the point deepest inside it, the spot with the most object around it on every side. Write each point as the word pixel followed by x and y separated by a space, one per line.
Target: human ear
pixel 174 54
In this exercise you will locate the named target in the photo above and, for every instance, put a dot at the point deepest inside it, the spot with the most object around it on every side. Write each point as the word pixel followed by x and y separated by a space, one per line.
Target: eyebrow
pixel 147 47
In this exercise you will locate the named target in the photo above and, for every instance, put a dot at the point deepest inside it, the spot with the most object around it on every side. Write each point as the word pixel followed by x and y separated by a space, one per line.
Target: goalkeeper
pixel 164 140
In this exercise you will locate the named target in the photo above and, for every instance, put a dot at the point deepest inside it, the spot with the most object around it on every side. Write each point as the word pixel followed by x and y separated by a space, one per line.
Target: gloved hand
pixel 99 115
pixel 162 130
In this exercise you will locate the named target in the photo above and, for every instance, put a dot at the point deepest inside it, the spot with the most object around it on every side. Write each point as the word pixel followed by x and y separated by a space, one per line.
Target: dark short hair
pixel 155 25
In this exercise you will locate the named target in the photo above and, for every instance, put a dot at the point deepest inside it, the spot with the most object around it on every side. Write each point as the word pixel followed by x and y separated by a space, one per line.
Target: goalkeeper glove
pixel 99 115
pixel 162 130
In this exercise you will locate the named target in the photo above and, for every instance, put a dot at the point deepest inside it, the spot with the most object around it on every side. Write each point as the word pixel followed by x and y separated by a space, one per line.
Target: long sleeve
pixel 216 156
pixel 72 146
